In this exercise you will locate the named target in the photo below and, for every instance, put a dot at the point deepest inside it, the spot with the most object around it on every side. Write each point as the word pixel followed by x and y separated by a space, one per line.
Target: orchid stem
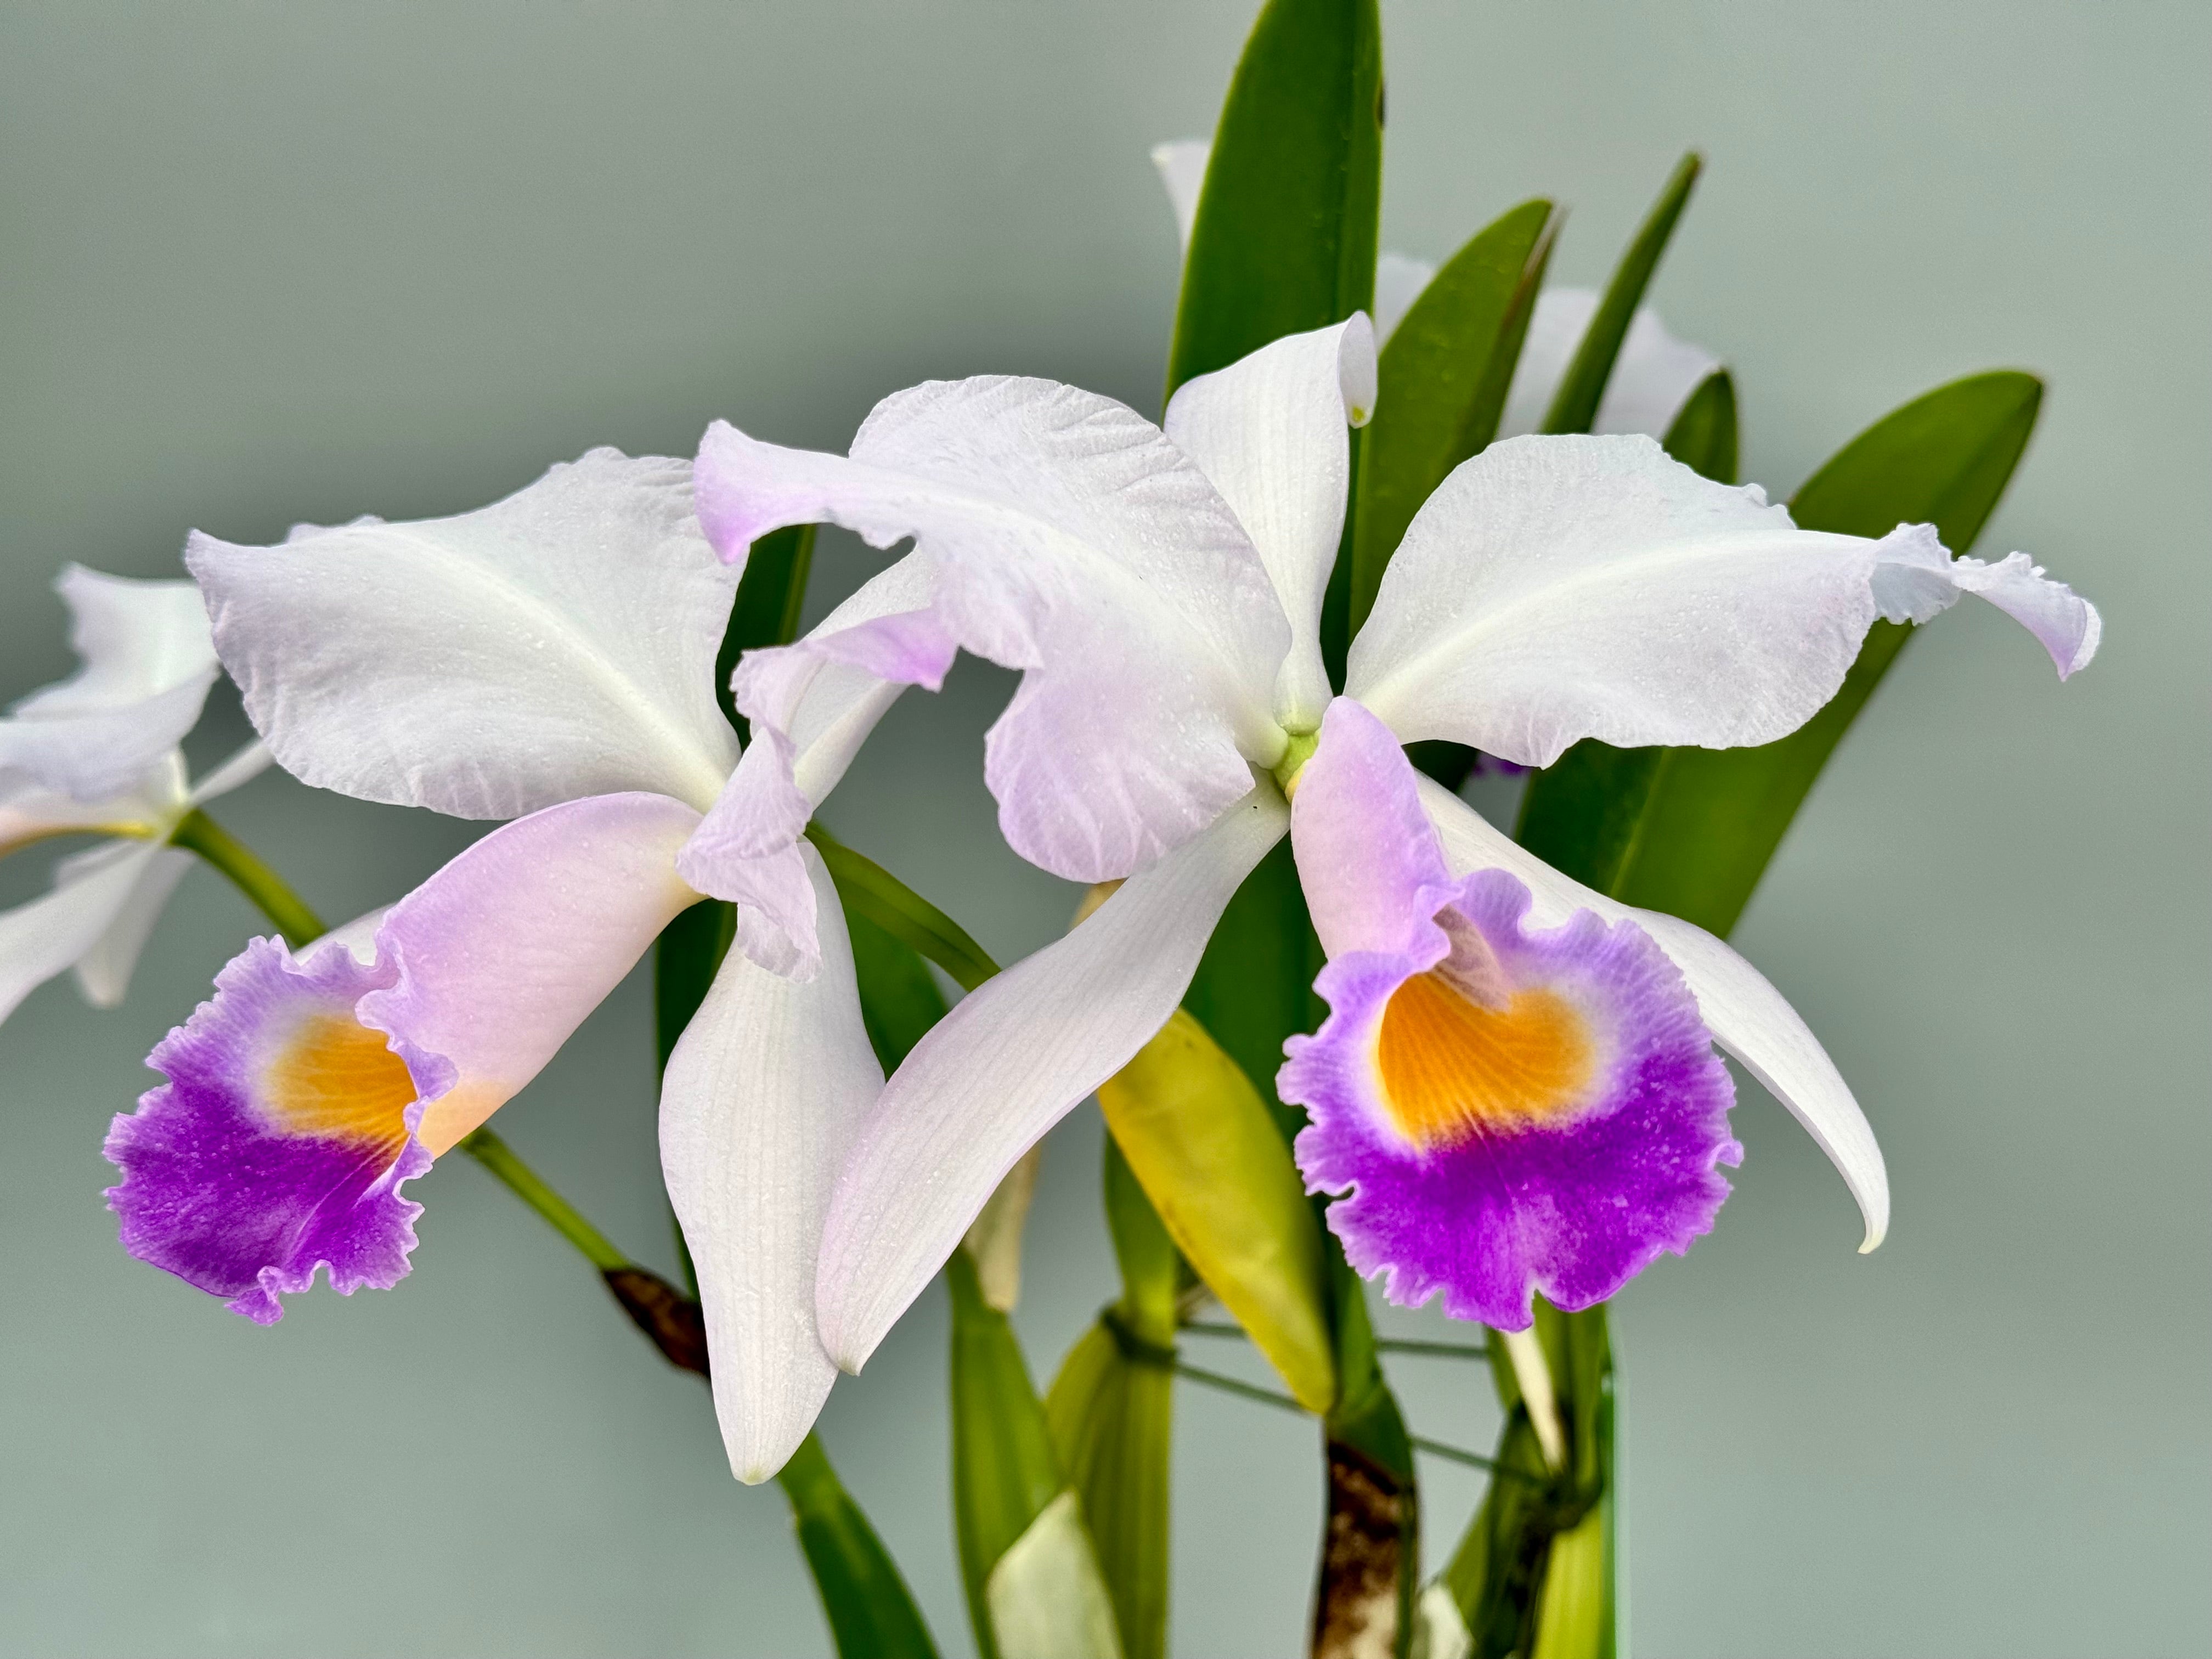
pixel 199 833
pixel 1284 1402
pixel 526 1184
pixel 1383 1344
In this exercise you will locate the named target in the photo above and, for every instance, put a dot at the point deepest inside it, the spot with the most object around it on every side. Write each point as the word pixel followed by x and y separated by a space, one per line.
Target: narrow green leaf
pixel 685 960
pixel 1151 1270
pixel 871 1613
pixel 868 890
pixel 1202 1142
pixel 1112 1421
pixel 1004 1472
pixel 1254 987
pixel 1112 1412
pixel 1497 1570
pixel 1533 1570
pixel 1441 383
pixel 1690 831
pixel 899 1001
pixel 1582 389
pixel 764 611
pixel 1704 435
pixel 1286 233
pixel 769 597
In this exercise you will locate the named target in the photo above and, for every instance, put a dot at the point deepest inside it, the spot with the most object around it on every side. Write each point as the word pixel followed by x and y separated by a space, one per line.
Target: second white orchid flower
pixel 1161 590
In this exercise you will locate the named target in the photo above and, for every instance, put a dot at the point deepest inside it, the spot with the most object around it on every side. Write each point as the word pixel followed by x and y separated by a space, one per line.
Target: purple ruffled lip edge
pixel 217 1193
pixel 1574 1212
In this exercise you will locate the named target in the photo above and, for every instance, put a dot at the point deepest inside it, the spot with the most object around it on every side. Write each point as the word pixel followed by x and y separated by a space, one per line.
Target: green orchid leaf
pixel 1496 1573
pixel 1112 1418
pixel 1535 1565
pixel 868 890
pixel 1441 383
pixel 1254 987
pixel 1582 389
pixel 1203 1145
pixel 899 1001
pixel 1690 831
pixel 1286 233
pixel 1004 1472
pixel 871 1615
pixel 769 597
pixel 1704 434
pixel 764 611
pixel 685 960
pixel 1112 1413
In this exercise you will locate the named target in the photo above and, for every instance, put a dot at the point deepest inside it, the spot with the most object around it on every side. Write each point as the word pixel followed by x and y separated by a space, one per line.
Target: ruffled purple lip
pixel 279 1143
pixel 1573 1200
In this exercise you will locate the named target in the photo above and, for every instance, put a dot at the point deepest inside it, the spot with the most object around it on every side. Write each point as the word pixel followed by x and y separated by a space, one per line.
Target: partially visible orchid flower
pixel 550 658
pixel 1652 378
pixel 97 754
pixel 1497 1030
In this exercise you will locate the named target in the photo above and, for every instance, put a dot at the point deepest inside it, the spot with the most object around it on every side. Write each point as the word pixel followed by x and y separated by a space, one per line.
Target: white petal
pixel 29 812
pixel 1918 577
pixel 147 665
pixel 502 953
pixel 811 705
pixel 1747 1016
pixel 1047 1598
pixel 757 1111
pixel 1182 163
pixel 242 768
pixel 1270 431
pixel 1652 377
pixel 1399 280
pixel 103 972
pixel 557 644
pixel 1073 541
pixel 1012 1059
pixel 40 939
pixel 1554 589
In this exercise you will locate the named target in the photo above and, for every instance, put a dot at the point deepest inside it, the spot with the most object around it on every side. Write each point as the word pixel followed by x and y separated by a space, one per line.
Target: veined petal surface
pixel 1271 431
pixel 1554 589
pixel 557 644
pixel 1747 1016
pixel 50 934
pixel 497 959
pixel 103 971
pixel 1508 1109
pixel 1073 541
pixel 147 663
pixel 1652 377
pixel 811 705
pixel 1011 1060
pixel 757 1109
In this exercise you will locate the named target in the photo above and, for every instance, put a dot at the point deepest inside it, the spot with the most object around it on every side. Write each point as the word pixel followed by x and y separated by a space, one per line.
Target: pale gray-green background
pixel 262 263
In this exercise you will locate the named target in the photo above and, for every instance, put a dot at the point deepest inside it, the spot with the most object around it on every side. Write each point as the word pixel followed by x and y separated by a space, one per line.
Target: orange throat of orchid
pixel 1452 1069
pixel 335 1078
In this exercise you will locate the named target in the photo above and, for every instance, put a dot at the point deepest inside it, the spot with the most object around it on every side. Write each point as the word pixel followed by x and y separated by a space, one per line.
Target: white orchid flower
pixel 1652 378
pixel 1161 590
pixel 96 754
pixel 550 660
